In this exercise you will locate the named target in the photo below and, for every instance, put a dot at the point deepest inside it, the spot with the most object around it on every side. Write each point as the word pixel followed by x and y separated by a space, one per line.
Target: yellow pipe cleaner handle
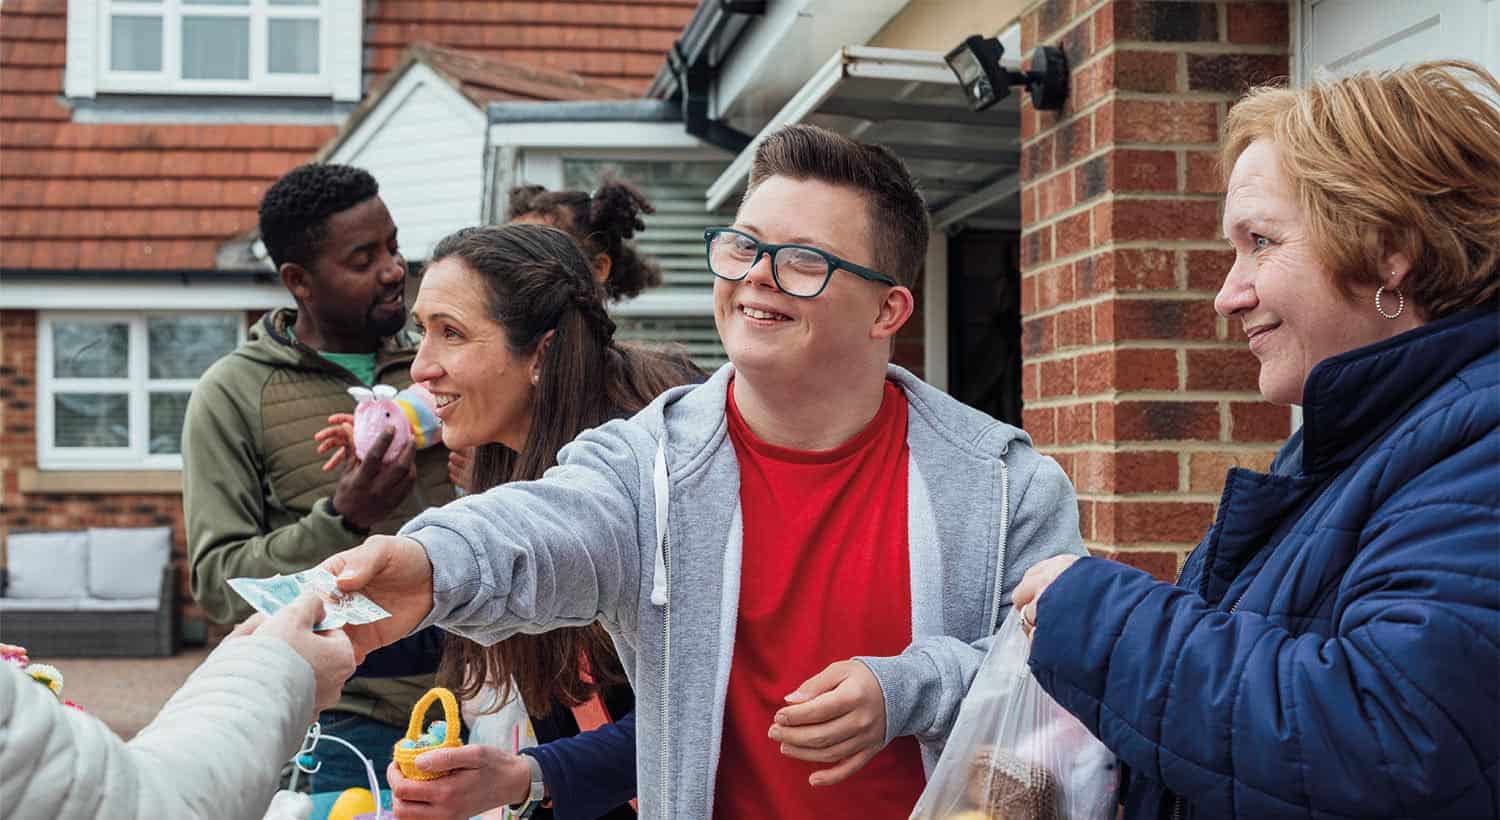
pixel 450 713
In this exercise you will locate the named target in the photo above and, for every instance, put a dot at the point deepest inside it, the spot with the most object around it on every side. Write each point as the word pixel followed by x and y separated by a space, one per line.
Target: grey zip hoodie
pixel 638 527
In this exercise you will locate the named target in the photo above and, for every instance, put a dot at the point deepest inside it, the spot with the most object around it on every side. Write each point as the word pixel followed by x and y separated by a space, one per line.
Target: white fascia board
pixel 865 62
pixel 418 78
pixel 95 295
pixel 599 135
pixel 807 99
pixel 656 303
pixel 780 49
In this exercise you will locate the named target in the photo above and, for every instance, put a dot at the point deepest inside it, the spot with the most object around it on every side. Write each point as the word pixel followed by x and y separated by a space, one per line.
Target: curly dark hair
pixel 601 222
pixel 294 212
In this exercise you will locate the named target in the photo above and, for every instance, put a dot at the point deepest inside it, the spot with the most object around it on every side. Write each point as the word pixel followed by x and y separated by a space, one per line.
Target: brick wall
pixel 1132 382
pixel 62 511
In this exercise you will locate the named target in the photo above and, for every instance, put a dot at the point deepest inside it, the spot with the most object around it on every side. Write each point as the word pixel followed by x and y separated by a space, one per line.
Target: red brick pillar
pixel 1131 381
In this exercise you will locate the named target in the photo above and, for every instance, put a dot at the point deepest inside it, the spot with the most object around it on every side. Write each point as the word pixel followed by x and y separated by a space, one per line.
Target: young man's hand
pixel 837 716
pixel 479 778
pixel 395 573
pixel 368 491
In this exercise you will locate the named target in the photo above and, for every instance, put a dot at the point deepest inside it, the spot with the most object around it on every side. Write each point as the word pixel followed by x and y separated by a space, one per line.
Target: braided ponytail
pixel 536 281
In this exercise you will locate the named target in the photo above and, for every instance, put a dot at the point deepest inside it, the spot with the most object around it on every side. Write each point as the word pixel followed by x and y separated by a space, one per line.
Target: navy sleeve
pixel 590 773
pixel 1395 710
pixel 417 654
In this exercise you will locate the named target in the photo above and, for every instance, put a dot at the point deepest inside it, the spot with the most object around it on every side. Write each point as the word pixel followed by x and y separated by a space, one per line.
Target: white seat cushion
pixel 118 604
pixel 39 604
pixel 126 562
pixel 47 564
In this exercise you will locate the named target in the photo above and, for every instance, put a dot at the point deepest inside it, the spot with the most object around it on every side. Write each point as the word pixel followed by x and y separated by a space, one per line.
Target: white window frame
pixel 136 384
pixel 340 50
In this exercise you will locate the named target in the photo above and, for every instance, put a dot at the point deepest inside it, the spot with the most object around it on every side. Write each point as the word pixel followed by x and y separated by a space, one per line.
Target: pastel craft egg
pixel 352 803
pixel 438 730
pixel 407 743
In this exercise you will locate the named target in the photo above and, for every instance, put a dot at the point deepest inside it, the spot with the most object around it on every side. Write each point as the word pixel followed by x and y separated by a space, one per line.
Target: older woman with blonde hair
pixel 1332 648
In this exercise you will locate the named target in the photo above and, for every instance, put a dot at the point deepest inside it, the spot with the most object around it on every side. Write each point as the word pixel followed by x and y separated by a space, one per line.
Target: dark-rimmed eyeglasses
pixel 798 270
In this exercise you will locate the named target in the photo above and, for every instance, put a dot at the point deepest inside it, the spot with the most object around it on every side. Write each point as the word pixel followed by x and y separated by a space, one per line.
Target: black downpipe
pixel 694 79
pixel 693 68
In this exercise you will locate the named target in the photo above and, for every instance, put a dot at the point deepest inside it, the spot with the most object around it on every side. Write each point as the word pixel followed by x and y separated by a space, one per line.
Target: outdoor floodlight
pixel 976 64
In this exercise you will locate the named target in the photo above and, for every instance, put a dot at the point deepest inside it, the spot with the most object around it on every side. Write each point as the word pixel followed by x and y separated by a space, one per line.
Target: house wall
pixel 939 25
pixel 109 505
pixel 1132 382
pixel 425 147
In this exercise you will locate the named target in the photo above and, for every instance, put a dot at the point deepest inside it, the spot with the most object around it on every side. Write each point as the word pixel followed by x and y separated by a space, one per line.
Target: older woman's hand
pixel 329 653
pixel 1034 583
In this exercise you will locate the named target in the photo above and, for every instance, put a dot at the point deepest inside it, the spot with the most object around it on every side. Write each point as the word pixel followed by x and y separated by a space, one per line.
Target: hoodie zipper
pixel 666 675
pixel 1004 533
pixel 661 595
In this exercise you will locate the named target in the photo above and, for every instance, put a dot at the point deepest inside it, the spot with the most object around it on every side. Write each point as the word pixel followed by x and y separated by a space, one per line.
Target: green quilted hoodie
pixel 254 495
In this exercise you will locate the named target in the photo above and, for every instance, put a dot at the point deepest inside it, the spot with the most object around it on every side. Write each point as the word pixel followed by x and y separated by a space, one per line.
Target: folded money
pixel 339 608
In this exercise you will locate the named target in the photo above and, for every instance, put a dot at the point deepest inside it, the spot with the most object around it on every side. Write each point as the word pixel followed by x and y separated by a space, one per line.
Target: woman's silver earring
pixel 1400 306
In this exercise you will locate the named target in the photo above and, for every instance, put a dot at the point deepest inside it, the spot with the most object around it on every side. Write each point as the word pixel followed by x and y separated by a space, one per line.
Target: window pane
pixel 134 43
pixel 294 2
pixel 167 411
pixel 216 48
pixel 182 347
pixel 90 350
pixel 294 47
pixel 91 420
pixel 216 2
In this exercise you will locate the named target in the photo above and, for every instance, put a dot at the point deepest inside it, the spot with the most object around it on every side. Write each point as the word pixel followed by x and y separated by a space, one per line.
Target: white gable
pixel 424 142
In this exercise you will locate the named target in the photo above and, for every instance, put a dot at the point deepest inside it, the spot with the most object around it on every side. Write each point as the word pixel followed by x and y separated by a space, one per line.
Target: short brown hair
pixel 1396 161
pixel 898 214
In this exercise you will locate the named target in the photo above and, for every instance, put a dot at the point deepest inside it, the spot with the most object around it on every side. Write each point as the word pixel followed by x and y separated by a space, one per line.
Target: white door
pixel 1345 36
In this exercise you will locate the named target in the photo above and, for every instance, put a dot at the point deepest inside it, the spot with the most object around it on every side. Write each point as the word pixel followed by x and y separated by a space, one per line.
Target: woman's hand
pixel 460 462
pixel 1034 583
pixel 340 435
pixel 479 778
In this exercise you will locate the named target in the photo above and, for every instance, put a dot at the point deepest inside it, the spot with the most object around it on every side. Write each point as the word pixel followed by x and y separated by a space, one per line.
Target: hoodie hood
pixel 270 342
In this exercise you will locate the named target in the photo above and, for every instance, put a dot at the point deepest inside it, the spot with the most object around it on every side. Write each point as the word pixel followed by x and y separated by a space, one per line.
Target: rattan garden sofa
pixel 90 593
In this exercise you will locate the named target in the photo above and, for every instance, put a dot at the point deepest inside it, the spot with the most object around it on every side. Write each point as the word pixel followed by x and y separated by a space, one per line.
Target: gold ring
pixel 1030 624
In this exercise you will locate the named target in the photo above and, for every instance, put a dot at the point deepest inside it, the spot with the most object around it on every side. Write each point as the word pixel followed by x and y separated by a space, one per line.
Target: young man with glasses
pixel 802 559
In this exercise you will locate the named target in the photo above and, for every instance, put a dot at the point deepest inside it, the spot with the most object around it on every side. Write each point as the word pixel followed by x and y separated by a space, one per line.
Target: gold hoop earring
pixel 1400 306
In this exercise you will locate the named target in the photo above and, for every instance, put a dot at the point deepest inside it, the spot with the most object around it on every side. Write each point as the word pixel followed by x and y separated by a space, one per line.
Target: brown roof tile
pixel 160 196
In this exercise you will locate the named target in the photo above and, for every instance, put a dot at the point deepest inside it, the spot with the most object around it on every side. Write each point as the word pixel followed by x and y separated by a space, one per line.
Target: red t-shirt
pixel 824 576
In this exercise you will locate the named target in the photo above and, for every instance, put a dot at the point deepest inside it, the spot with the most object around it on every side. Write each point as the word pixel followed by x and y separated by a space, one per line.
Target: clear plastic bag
pixel 1014 754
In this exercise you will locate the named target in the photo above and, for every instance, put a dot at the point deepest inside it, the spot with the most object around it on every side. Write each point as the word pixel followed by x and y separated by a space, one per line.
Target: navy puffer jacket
pixel 1333 646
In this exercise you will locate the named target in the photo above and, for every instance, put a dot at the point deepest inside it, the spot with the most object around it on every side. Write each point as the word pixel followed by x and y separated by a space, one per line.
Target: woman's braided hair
pixel 601 222
pixel 536 281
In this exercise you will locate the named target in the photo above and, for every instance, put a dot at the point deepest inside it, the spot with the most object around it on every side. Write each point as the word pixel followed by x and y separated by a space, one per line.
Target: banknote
pixel 339 608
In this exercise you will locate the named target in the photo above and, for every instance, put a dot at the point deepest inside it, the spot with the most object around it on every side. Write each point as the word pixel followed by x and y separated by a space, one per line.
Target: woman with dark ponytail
pixel 602 222
pixel 518 350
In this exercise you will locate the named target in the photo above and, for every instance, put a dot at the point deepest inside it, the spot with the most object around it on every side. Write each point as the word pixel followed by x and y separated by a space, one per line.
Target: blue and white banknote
pixel 339 608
